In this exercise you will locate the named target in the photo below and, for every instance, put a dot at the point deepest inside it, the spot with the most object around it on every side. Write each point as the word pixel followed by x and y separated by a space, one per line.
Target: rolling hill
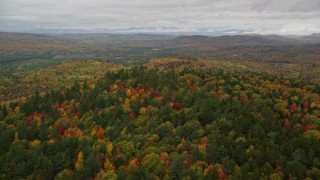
pixel 129 48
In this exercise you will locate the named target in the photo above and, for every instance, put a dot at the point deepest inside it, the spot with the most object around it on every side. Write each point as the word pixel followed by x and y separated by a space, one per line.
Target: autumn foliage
pixel 142 123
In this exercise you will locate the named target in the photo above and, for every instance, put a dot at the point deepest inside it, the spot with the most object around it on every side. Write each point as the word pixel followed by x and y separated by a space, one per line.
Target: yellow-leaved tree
pixel 109 147
pixel 79 162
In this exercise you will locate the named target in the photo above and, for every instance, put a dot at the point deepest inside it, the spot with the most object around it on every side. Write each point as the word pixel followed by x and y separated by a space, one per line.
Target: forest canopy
pixel 150 123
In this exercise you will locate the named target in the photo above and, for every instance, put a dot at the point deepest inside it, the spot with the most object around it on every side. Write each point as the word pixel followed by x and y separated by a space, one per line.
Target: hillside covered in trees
pixel 174 121
pixel 24 79
pixel 128 48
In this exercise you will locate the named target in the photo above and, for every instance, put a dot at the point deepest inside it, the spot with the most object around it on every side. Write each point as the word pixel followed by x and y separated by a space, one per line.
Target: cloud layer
pixel 232 16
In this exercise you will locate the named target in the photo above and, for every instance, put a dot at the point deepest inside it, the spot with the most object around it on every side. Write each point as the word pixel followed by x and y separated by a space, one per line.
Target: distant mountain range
pixel 107 37
pixel 131 47
pixel 251 39
pixel 228 40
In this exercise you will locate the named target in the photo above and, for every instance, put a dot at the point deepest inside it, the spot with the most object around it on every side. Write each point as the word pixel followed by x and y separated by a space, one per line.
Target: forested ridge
pixel 146 123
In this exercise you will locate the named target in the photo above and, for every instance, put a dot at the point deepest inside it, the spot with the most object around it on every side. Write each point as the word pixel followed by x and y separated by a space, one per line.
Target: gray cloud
pixel 250 16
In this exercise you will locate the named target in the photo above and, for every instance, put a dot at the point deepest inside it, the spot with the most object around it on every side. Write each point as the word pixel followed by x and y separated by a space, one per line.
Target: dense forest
pixel 23 79
pixel 150 123
pixel 128 48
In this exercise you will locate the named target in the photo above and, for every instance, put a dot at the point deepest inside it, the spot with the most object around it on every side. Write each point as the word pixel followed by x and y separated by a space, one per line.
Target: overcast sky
pixel 299 17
